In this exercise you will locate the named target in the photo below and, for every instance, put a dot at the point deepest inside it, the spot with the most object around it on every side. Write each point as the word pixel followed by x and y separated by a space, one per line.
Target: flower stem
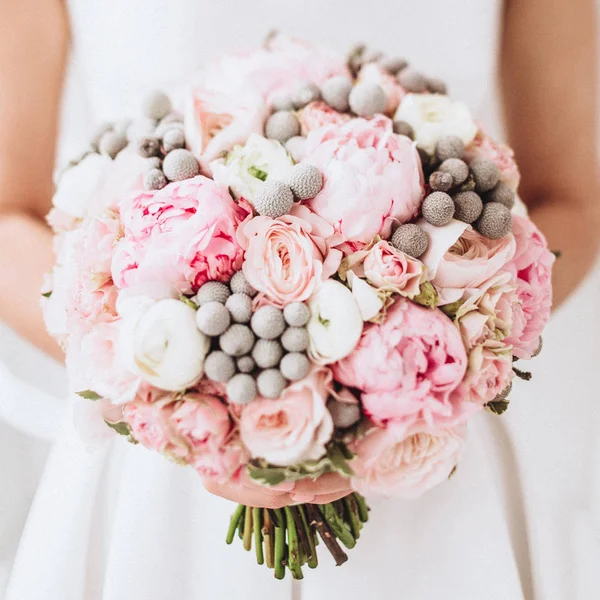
pixel 310 536
pixel 258 539
pixel 241 524
pixel 233 523
pixel 293 546
pixel 316 519
pixel 248 529
pixel 279 545
pixel 339 527
pixel 352 515
pixel 268 535
pixel 363 509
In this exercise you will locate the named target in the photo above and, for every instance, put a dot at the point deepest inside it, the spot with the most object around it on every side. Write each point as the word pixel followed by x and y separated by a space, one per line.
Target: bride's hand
pixel 327 488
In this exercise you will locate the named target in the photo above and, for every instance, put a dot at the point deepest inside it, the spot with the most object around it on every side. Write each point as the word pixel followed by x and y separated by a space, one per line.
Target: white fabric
pixel 519 519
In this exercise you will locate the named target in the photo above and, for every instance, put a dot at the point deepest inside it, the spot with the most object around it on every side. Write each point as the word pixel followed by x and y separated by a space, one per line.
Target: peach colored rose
pixel 404 464
pixel 292 429
pixel 287 258
pixel 318 114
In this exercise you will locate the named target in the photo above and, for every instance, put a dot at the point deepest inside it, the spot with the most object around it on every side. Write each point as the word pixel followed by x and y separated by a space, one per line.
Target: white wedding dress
pixel 520 519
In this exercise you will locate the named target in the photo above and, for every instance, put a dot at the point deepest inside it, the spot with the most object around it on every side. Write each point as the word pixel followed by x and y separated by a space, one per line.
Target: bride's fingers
pixel 327 498
pixel 241 495
pixel 331 483
pixel 272 490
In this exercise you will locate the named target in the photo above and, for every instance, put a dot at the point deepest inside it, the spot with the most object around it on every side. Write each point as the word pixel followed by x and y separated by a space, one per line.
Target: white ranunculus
pixel 161 343
pixel 335 324
pixel 78 185
pixel 367 297
pixel 433 116
pixel 136 299
pixel 247 167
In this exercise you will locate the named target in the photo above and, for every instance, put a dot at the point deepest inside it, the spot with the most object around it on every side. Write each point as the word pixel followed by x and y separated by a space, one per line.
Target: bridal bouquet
pixel 297 264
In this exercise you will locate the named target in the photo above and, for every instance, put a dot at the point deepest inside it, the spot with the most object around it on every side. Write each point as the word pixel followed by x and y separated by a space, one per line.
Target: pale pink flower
pixel 318 114
pixel 288 257
pixel 182 235
pixel 532 266
pixel 293 428
pixel 405 463
pixel 372 178
pixel 374 73
pixel 407 366
pixel 148 421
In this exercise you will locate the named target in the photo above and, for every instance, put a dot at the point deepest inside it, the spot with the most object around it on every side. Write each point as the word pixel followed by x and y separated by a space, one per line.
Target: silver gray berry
pixel 157 105
pixel 112 143
pixel 440 181
pixel 343 414
pixel 393 65
pixel 457 168
pixel 271 383
pixel 438 209
pixel 503 194
pixel 404 128
pixel 267 322
pixel 245 364
pixel 180 164
pixel 336 92
pixel 495 221
pixel 437 86
pixel 154 162
pixel 274 199
pixel 485 173
pixel 212 291
pixel 294 366
pixel 282 101
pixel 241 389
pixel 412 81
pixel 296 314
pixel 295 339
pixel 174 118
pixel 410 239
pixel 305 93
pixel 449 147
pixel 305 181
pixel 239 285
pixel 220 367
pixel 267 353
pixel 173 139
pixel 468 207
pixel 213 319
pixel 166 126
pixel 240 307
pixel 238 340
pixel 367 99
pixel 98 134
pixel 148 147
pixel 282 126
pixel 154 179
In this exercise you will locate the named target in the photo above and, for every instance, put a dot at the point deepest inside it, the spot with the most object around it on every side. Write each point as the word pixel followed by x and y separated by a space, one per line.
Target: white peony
pixel 335 324
pixel 433 116
pixel 248 166
pixel 161 343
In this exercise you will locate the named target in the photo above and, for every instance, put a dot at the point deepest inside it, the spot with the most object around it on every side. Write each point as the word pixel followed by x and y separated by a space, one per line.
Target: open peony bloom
pixel 404 464
pixel 372 178
pixel 183 235
pixel 318 114
pixel 292 429
pixel 407 366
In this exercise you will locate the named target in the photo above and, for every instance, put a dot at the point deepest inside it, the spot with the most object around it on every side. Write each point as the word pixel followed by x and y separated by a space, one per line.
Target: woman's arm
pixel 33 47
pixel 549 83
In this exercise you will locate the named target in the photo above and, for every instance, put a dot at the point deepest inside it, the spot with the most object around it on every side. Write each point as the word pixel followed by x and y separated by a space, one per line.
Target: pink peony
pixel 405 464
pixel 317 115
pixel 373 73
pixel 147 418
pixel 407 366
pixel 287 258
pixel 182 235
pixel 373 178
pixel 485 147
pixel 292 429
pixel 532 266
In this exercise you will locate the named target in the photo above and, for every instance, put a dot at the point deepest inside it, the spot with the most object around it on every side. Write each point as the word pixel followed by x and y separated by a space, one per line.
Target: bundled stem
pixel 258 537
pixel 279 545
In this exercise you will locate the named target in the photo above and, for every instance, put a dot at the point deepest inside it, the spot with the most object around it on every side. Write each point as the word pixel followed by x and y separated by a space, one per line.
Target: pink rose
pixel 292 429
pixel 472 260
pixel 318 114
pixel 532 266
pixel 485 147
pixel 287 258
pixel 373 73
pixel 404 464
pixel 407 366
pixel 182 235
pixel 372 178
pixel 147 418
pixel 489 373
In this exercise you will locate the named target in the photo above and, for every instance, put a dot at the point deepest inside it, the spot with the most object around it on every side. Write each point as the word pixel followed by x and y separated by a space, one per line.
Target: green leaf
pixel 557 253
pixel 89 395
pixel 121 428
pixel 324 322
pixel 524 375
pixel 498 407
pixel 47 294
pixel 189 302
pixel 339 462
pixel 258 173
pixel 428 296
pixel 451 309
pixel 269 476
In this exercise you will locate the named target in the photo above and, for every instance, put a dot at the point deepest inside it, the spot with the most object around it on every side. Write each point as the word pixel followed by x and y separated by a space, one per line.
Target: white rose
pixel 161 343
pixel 247 167
pixel 433 116
pixel 335 324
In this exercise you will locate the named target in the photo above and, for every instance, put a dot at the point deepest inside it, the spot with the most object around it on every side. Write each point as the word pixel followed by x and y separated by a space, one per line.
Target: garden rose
pixel 407 366
pixel 372 178
pixel 147 418
pixel 182 235
pixel 318 114
pixel 404 464
pixel 287 258
pixel 293 428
